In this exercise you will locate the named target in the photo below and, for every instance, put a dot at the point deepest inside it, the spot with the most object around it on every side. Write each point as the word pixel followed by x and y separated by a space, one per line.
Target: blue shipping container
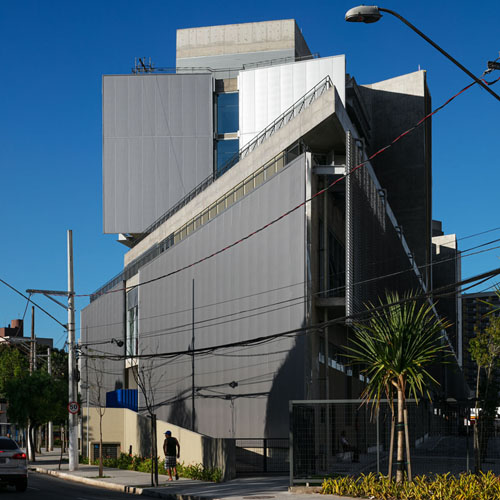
pixel 122 398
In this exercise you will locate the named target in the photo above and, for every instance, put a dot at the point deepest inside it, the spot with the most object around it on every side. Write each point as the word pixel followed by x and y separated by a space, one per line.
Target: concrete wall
pixel 267 36
pixel 157 145
pixel 405 169
pixel 129 429
pixel 234 46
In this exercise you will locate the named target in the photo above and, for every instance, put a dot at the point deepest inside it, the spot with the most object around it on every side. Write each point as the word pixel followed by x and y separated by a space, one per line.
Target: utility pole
pixel 73 418
pixel 32 342
pixel 30 441
pixel 50 430
pixel 73 391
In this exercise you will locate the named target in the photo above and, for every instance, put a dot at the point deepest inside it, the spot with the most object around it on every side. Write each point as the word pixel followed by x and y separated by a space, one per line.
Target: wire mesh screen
pixel 376 260
pixel 331 438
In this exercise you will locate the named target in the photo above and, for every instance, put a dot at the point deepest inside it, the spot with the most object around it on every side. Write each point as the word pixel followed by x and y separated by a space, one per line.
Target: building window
pixel 226 149
pixel 227 126
pixel 132 331
pixel 227 113
pixel 132 323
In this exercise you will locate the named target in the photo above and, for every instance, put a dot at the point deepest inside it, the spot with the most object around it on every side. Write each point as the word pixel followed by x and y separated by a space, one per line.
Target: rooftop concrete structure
pixel 268 36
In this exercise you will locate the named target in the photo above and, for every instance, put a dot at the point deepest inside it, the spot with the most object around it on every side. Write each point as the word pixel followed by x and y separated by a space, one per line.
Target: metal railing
pixel 251 182
pixel 304 102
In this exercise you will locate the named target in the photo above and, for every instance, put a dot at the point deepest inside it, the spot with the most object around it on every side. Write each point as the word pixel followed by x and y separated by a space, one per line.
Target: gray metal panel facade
pixel 101 321
pixel 254 289
pixel 157 145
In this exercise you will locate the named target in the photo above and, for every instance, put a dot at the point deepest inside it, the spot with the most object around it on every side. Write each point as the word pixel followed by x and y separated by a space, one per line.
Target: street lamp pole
pixel 371 14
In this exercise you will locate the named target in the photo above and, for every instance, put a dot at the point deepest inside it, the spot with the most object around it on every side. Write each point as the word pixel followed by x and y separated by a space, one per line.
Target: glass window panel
pixel 248 186
pixel 212 211
pixel 221 205
pixel 259 178
pixel 227 113
pixel 239 192
pixel 225 151
pixel 230 199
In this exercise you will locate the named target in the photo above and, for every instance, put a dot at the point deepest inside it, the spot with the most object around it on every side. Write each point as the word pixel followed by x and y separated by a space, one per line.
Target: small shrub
pixel 124 461
pixel 197 471
pixel 143 464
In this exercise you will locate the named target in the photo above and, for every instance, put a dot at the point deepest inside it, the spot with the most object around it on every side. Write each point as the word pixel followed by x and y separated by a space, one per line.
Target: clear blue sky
pixel 54 53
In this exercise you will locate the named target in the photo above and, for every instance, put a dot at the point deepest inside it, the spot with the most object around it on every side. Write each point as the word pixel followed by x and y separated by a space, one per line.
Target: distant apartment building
pixel 13 334
pixel 476 310
pixel 210 177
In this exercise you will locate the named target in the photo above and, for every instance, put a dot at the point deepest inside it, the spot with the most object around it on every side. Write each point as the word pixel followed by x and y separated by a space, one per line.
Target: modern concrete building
pixel 232 182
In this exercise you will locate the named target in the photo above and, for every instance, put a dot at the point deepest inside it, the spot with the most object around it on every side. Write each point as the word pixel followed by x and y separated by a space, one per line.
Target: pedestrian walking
pixel 172 450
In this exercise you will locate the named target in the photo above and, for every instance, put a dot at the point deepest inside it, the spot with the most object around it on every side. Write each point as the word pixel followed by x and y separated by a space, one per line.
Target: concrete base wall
pixel 131 430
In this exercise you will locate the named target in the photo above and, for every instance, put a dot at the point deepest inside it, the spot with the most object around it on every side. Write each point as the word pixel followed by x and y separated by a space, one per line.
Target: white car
pixel 13 465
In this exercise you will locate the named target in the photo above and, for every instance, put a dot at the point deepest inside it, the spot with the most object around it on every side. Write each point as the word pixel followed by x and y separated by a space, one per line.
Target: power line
pixel 287 213
pixel 34 303
pixel 178 329
pixel 303 330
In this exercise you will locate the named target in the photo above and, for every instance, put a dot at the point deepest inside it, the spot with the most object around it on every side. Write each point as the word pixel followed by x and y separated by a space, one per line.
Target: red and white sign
pixel 73 407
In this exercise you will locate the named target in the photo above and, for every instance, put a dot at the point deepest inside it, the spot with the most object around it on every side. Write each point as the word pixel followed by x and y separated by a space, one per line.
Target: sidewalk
pixel 139 483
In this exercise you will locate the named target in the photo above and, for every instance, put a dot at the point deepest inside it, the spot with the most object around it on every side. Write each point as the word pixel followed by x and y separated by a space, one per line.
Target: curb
pixel 92 482
pixel 117 487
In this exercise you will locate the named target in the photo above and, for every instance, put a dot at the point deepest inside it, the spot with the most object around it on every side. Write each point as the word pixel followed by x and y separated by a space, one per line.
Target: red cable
pixel 319 193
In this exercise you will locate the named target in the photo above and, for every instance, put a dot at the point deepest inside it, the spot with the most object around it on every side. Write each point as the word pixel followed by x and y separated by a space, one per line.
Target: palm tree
pixel 394 345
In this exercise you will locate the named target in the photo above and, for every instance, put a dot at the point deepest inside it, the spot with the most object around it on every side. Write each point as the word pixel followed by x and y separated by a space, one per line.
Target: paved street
pixel 43 487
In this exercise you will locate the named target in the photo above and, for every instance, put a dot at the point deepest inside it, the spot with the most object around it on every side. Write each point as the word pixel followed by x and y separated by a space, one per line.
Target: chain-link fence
pixel 346 437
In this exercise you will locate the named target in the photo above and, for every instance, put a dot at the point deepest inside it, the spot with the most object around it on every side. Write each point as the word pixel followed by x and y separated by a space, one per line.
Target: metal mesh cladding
pixel 376 260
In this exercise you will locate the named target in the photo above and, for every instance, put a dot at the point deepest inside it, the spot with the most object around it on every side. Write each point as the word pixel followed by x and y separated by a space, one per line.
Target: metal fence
pixel 262 456
pixel 346 437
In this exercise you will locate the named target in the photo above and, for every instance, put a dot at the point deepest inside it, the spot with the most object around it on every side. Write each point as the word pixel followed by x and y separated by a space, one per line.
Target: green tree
pixel 395 345
pixel 36 398
pixel 485 351
pixel 13 364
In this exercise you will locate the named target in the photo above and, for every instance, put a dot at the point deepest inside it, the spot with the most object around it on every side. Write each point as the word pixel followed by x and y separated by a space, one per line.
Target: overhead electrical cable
pixel 292 210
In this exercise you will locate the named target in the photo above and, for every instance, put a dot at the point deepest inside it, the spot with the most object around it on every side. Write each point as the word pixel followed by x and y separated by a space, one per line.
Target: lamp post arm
pixel 436 46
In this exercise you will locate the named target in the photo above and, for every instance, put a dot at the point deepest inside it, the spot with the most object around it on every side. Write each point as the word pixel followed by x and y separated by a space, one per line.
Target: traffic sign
pixel 73 407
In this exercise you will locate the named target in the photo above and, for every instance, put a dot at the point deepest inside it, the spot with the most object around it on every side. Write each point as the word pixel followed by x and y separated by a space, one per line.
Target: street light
pixel 371 14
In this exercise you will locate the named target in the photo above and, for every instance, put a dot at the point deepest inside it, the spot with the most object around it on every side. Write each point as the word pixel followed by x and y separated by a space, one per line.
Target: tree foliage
pixel 395 345
pixel 37 397
pixel 13 364
pixel 485 351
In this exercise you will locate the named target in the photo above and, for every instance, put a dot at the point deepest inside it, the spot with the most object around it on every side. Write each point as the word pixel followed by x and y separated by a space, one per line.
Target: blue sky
pixel 54 54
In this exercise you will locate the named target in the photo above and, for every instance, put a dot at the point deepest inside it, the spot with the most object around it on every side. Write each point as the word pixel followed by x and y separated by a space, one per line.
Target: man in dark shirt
pixel 172 450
